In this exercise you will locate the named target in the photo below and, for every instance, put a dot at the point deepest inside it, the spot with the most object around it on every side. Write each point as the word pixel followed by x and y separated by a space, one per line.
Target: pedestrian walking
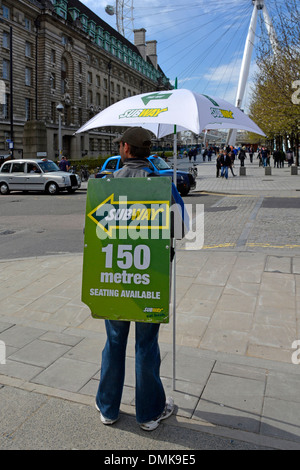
pixel 282 158
pixel 64 164
pixel 290 157
pixel 225 164
pixel 232 158
pixel 251 151
pixel 218 165
pixel 264 156
pixel 276 158
pixel 242 155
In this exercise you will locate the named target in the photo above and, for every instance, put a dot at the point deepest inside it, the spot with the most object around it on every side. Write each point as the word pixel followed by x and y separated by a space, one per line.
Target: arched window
pixel 64 76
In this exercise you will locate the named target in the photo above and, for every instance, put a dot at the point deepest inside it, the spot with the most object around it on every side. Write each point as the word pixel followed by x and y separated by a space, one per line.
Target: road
pixel 35 224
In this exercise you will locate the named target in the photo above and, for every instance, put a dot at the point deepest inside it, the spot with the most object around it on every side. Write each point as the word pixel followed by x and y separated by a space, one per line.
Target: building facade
pixel 60 65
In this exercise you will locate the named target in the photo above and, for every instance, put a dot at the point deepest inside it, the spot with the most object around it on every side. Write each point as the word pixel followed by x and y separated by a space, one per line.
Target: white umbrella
pixel 160 111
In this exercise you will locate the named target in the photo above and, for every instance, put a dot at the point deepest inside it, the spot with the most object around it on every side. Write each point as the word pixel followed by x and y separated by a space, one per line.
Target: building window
pixel 6 12
pixel 67 115
pixel 27 24
pixel 6 138
pixel 28 107
pixel 98 99
pixel 6 40
pixel 90 78
pixel 52 81
pixel 80 67
pixel 53 57
pixel 27 49
pixel 80 121
pixel 98 81
pixel 64 75
pixel 90 98
pixel 6 107
pixel 53 111
pixel 5 69
pixel 3 106
pixel 80 89
pixel 28 75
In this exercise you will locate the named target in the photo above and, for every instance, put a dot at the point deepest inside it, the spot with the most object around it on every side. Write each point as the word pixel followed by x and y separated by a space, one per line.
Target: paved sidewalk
pixel 237 310
pixel 255 181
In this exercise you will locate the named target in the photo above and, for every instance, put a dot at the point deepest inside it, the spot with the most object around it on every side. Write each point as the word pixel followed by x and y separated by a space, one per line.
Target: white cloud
pixel 225 72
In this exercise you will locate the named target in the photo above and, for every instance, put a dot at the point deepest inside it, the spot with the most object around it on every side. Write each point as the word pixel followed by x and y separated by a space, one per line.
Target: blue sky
pixel 199 42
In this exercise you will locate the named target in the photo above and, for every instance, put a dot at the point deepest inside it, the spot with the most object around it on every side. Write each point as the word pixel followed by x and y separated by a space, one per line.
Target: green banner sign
pixel 126 263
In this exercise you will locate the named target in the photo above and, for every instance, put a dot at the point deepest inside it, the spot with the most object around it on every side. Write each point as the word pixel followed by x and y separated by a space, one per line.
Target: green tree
pixel 273 105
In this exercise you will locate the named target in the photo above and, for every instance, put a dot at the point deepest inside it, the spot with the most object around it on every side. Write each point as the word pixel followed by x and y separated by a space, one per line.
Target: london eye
pixel 123 10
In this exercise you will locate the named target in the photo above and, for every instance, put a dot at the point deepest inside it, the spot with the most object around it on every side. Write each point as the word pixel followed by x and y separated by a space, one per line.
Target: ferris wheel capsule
pixel 110 10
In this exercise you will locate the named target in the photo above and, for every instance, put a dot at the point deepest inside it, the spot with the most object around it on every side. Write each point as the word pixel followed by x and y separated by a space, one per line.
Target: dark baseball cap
pixel 136 136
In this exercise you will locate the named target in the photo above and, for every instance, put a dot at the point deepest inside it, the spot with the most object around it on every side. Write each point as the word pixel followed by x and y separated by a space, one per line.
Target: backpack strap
pixel 148 170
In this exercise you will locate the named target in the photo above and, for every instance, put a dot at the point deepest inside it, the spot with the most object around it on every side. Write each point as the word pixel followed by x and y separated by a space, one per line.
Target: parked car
pixel 36 175
pixel 185 181
pixel 4 157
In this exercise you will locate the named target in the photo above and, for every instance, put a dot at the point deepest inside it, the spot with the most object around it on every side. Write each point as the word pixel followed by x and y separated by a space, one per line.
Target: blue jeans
pixel 150 396
pixel 224 169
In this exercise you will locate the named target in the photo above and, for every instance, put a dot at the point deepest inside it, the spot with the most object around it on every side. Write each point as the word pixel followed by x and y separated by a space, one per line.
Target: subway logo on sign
pixel 115 215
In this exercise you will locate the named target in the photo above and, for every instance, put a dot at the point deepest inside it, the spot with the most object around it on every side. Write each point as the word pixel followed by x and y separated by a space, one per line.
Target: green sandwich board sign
pixel 126 263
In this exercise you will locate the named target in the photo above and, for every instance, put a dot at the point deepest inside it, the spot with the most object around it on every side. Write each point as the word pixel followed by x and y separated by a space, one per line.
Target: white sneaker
pixel 103 419
pixel 151 425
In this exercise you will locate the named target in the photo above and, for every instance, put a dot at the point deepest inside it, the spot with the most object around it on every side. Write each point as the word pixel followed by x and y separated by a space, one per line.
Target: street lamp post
pixel 10 83
pixel 59 108
pixel 109 98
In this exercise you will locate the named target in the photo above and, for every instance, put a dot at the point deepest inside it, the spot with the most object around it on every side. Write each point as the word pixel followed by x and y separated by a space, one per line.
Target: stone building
pixel 56 55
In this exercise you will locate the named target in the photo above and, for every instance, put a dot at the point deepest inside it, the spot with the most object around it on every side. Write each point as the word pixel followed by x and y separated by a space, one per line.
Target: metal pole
pixel 174 310
pixel 10 83
pixel 109 99
pixel 59 137
pixel 11 90
pixel 174 267
pixel 174 260
pixel 244 73
pixel 270 29
pixel 36 69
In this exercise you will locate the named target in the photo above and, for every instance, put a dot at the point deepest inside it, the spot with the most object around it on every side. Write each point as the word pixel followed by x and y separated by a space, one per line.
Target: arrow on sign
pixel 155 96
pixel 111 215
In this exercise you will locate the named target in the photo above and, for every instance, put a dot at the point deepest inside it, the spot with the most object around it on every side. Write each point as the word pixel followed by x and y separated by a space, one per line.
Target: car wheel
pixel 52 189
pixel 4 189
pixel 185 192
